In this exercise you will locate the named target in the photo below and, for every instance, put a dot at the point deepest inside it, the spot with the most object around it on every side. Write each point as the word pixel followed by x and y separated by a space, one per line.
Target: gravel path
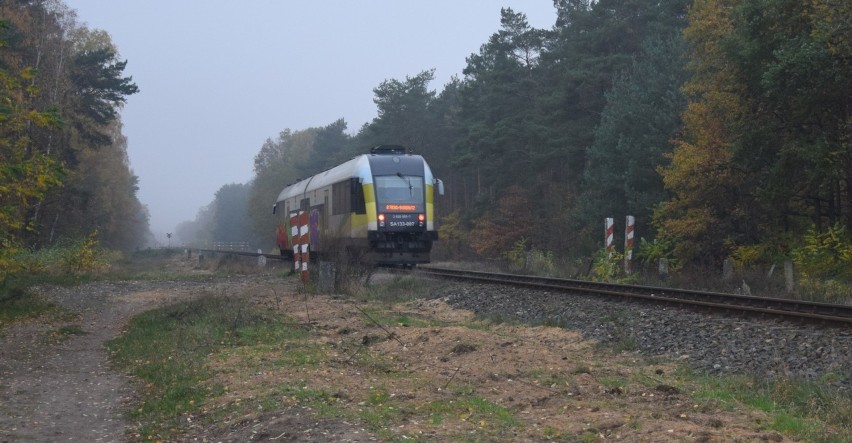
pixel 67 391
pixel 709 342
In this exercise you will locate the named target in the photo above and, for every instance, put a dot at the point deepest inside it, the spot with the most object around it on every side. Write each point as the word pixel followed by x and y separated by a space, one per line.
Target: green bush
pixel 607 265
pixel 524 258
pixel 825 254
pixel 651 253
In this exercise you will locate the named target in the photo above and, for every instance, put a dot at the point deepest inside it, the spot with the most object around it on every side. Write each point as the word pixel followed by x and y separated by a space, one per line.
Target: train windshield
pixel 404 190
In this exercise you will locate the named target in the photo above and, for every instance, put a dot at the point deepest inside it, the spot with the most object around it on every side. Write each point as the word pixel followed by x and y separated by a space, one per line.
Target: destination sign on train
pixel 397 207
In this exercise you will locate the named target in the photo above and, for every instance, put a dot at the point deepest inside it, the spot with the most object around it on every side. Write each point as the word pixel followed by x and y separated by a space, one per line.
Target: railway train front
pixel 378 208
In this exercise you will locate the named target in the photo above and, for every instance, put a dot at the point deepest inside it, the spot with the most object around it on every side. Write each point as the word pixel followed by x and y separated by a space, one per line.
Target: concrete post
pixel 327 273
pixel 727 270
pixel 664 269
pixel 261 259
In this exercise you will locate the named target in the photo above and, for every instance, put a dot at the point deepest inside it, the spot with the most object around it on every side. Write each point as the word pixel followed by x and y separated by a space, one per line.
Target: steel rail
pixel 814 311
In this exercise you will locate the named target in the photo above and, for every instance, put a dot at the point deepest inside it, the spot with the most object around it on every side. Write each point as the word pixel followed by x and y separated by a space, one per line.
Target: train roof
pixel 362 167
pixel 357 167
pixel 382 160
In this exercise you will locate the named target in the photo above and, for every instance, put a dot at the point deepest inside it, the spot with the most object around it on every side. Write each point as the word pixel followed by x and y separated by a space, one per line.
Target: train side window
pixel 341 196
pixel 305 204
pixel 358 204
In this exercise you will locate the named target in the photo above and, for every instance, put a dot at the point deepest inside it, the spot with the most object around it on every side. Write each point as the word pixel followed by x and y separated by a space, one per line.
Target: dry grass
pixel 421 369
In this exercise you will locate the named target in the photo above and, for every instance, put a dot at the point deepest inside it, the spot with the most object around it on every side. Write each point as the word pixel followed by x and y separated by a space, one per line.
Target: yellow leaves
pixel 26 173
pixel 28 73
pixel 825 254
pixel 709 21
pixel 702 163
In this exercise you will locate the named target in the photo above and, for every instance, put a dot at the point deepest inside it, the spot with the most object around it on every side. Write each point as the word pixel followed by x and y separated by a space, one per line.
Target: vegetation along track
pixel 830 314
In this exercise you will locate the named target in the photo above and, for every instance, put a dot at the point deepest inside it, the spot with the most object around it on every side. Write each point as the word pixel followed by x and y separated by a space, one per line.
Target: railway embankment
pixel 711 342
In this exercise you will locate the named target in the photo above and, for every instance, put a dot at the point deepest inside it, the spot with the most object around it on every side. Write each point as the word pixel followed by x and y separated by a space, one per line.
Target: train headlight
pixel 421 218
pixel 382 220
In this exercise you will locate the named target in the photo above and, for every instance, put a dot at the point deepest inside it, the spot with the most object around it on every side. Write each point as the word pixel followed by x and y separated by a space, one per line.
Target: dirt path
pixel 57 385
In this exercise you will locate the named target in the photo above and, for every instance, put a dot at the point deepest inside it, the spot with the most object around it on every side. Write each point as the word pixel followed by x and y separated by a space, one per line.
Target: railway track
pixel 832 314
pixel 836 315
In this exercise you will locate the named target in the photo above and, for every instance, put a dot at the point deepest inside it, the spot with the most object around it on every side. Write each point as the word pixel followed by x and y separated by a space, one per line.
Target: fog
pixel 218 78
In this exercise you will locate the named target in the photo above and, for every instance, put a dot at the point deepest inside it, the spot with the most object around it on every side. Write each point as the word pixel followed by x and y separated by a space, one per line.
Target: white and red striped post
pixel 609 234
pixel 300 234
pixel 304 232
pixel 295 241
pixel 628 244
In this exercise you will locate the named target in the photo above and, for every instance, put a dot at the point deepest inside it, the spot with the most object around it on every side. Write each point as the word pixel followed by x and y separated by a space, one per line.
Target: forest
pixel 722 126
pixel 64 170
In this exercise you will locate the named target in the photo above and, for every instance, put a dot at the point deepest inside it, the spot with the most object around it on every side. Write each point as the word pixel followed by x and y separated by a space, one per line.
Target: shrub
pixel 825 254
pixel 524 258
pixel 651 253
pixel 606 265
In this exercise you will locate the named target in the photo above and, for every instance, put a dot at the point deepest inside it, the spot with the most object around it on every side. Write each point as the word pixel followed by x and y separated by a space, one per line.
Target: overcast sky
pixel 217 78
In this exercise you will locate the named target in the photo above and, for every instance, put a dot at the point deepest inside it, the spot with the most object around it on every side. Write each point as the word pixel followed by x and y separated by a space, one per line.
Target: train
pixel 376 208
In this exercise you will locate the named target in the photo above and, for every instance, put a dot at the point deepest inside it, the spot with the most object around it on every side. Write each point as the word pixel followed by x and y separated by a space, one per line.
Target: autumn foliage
pixel 64 171
pixel 499 229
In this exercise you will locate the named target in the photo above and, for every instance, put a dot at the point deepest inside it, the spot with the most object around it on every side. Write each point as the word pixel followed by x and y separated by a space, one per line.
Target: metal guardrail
pixel 243 253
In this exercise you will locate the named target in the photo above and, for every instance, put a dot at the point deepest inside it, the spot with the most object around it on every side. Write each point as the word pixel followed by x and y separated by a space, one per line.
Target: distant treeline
pixel 723 126
pixel 64 171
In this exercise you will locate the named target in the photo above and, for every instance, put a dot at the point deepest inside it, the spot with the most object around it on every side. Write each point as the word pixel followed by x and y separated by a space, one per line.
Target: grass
pixel 800 408
pixel 17 303
pixel 489 417
pixel 166 349
pixel 64 333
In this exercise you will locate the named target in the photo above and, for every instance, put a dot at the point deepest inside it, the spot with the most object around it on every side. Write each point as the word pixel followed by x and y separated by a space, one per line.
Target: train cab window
pixel 399 189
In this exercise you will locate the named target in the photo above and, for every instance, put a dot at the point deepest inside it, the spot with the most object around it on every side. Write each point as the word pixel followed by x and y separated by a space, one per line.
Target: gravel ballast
pixel 710 342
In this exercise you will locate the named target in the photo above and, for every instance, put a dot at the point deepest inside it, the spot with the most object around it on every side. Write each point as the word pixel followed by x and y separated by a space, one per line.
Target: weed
pixel 581 369
pixel 625 344
pixel 614 383
pixel 474 409
pixel 551 433
pixel 17 303
pixel 555 322
pixel 799 408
